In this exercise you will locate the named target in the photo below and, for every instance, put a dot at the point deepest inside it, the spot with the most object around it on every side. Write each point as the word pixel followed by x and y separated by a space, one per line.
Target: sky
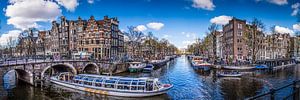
pixel 179 21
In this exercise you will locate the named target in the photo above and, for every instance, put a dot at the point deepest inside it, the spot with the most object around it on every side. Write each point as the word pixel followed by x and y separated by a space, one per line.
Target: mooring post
pixel 272 97
pixel 295 91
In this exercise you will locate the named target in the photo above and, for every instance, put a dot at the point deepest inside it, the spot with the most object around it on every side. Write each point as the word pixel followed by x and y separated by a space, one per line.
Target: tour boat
pixel 237 68
pixel 136 66
pixel 112 85
pixel 148 68
pixel 230 74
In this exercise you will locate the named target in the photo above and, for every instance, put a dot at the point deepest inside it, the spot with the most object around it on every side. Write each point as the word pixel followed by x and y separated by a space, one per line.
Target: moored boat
pixel 158 63
pixel 148 68
pixel 237 67
pixel 136 66
pixel 229 74
pixel 198 63
pixel 261 67
pixel 112 85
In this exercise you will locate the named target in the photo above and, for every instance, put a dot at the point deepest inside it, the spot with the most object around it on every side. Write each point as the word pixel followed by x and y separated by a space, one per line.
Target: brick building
pixel 98 39
pixel 234 47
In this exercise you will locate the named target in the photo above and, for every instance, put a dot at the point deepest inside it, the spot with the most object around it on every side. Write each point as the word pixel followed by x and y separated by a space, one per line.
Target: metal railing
pixel 271 95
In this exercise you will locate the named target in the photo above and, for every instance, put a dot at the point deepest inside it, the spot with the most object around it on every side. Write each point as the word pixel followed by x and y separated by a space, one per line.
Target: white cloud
pixel 13 34
pixel 204 4
pixel 141 28
pixel 189 35
pixel 221 20
pixel 68 4
pixel 26 13
pixel 278 2
pixel 283 30
pixel 90 1
pixel 295 8
pixel 166 36
pixel 155 25
pixel 296 27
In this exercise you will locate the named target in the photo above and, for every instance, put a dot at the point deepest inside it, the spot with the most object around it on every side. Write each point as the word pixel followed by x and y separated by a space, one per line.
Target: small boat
pixel 261 67
pixel 136 66
pixel 148 68
pixel 229 74
pixel 112 85
pixel 237 68
pixel 199 63
pixel 158 63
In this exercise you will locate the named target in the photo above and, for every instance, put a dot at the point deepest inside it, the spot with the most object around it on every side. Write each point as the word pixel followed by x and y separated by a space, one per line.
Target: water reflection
pixel 188 84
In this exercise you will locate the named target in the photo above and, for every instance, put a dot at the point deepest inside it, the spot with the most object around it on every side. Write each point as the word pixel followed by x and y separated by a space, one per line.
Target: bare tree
pixel 11 43
pixel 29 41
pixel 254 37
pixel 135 38
pixel 213 31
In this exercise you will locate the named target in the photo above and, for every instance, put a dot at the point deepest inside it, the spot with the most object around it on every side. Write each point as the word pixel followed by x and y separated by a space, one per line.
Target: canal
pixel 188 84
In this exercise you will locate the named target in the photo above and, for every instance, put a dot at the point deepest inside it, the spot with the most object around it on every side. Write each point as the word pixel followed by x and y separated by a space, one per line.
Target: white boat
pixel 237 68
pixel 229 74
pixel 199 63
pixel 112 85
pixel 136 66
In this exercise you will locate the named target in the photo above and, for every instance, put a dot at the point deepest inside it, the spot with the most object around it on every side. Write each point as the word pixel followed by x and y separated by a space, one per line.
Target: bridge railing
pixel 293 88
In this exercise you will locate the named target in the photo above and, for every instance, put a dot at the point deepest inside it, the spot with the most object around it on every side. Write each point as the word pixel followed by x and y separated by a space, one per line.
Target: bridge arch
pixel 65 67
pixel 20 74
pixel 91 68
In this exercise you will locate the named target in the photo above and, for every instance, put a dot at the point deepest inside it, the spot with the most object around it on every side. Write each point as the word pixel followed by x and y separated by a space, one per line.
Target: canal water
pixel 188 84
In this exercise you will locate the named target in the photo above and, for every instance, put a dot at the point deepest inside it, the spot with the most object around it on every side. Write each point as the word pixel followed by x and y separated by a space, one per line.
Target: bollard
pixel 272 97
pixel 295 91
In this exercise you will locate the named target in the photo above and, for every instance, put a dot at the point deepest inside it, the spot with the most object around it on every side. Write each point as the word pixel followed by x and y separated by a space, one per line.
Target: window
pixel 240 33
pixel 79 29
pixel 240 26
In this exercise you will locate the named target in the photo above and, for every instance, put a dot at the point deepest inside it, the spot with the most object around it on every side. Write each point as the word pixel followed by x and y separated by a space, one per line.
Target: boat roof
pixel 135 62
pixel 113 79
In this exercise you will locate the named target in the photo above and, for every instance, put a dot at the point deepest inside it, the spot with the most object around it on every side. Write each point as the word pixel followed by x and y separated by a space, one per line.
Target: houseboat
pixel 136 66
pixel 112 85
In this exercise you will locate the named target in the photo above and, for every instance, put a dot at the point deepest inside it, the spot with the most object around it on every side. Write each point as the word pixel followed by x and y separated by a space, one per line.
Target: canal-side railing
pixel 271 95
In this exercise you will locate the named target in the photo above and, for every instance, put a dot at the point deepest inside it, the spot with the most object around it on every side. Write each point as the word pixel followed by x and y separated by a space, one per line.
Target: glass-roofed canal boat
pixel 112 85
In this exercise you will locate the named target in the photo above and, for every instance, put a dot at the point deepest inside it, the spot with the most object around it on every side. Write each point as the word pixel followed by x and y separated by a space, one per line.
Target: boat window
pixel 134 83
pixel 126 87
pixel 110 81
pixel 120 87
pixel 149 86
pixel 124 82
pixel 109 86
pixel 140 88
pixel 88 83
pixel 90 79
pixel 133 87
pixel 141 83
pixel 99 80
pixel 98 84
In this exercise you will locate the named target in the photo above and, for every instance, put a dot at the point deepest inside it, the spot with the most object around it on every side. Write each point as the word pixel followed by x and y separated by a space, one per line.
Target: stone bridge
pixel 32 72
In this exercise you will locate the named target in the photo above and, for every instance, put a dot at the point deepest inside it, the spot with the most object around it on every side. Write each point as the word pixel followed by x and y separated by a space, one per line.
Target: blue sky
pixel 180 21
